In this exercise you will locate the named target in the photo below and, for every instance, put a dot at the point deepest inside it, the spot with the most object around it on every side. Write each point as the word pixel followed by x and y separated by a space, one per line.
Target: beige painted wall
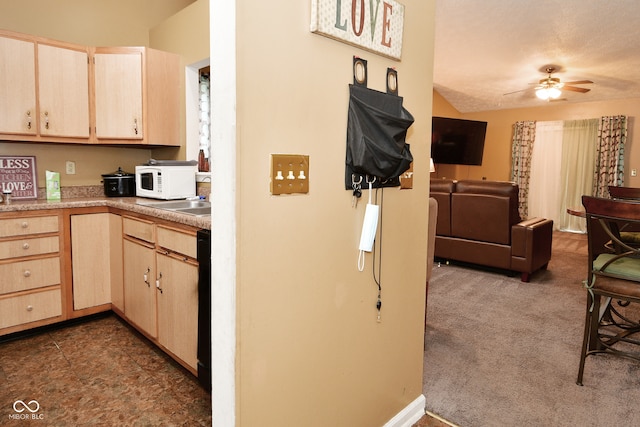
pixel 92 23
pixel 497 150
pixel 310 351
pixel 187 34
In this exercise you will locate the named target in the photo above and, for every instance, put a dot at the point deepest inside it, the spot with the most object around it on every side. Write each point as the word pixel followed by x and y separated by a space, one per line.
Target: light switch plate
pixel 289 174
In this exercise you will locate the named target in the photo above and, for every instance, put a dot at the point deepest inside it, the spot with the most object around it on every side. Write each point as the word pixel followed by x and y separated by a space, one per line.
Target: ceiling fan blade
pixel 579 82
pixel 575 89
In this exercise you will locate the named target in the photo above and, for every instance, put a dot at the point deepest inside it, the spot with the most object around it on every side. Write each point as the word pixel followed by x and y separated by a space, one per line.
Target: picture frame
pixel 18 175
pixel 374 26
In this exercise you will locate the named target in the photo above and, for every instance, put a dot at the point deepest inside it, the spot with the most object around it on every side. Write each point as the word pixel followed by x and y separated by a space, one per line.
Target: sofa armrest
pixel 531 244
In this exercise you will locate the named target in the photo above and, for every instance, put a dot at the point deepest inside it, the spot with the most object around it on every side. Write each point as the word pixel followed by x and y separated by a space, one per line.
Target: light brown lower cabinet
pixel 178 306
pixel 96 254
pixel 146 271
pixel 31 266
pixel 161 286
pixel 139 286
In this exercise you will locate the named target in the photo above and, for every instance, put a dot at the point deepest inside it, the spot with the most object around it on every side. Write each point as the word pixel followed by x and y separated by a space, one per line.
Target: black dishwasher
pixel 204 308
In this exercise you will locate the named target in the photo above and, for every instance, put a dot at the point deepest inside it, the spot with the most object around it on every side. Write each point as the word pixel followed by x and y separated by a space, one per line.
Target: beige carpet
pixel 500 352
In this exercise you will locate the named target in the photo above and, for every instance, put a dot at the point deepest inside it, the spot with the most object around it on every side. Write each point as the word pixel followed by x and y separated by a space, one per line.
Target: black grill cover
pixel 376 131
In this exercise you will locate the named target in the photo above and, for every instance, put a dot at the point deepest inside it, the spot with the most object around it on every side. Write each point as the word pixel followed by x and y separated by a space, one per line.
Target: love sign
pixel 375 25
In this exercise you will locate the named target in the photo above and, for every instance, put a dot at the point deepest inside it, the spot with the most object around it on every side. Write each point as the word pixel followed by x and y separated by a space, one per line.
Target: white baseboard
pixel 409 415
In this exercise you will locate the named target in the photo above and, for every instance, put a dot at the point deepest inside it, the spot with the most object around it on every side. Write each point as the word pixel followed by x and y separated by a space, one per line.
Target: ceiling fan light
pixel 543 93
pixel 554 92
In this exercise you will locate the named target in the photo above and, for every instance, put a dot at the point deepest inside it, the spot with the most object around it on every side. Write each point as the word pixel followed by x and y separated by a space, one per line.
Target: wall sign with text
pixel 375 25
pixel 18 175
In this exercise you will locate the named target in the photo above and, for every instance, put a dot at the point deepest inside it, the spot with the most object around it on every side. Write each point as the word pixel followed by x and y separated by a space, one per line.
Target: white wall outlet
pixel 70 167
pixel 634 172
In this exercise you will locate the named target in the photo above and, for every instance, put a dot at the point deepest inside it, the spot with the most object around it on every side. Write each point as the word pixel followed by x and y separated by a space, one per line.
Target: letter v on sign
pixel 374 16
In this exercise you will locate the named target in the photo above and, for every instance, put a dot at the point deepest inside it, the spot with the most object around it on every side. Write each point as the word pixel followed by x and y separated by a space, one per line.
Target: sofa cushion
pixel 497 188
pixel 475 252
pixel 481 217
pixel 441 189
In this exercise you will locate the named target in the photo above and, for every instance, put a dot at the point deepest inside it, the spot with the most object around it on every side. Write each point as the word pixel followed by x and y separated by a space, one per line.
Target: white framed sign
pixel 375 25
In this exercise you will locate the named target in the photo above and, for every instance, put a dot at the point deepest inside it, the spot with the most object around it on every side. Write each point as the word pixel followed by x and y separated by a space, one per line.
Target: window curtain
pixel 524 134
pixel 579 140
pixel 609 162
pixel 544 186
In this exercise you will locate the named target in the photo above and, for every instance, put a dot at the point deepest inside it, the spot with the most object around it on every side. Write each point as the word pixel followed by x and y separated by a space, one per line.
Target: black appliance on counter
pixel 204 308
pixel 119 184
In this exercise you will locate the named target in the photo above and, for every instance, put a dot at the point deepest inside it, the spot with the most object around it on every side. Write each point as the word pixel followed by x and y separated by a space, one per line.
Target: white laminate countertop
pixel 124 203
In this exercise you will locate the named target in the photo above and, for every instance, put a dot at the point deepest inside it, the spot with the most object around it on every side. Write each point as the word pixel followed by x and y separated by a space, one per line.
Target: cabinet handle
pixel 25 246
pixel 27 273
pixel 29 308
pixel 46 120
pixel 146 277
pixel 158 282
pixel 28 119
pixel 135 126
pixel 24 224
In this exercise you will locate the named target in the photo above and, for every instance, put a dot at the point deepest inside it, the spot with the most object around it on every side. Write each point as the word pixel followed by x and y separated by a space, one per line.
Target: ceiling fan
pixel 550 88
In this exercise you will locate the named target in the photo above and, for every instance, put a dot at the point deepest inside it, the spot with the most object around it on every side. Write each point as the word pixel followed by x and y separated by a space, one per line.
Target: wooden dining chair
pixel 613 281
pixel 624 193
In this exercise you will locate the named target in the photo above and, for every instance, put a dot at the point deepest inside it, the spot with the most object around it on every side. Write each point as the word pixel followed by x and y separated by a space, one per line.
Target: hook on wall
pixel 392 81
pixel 359 71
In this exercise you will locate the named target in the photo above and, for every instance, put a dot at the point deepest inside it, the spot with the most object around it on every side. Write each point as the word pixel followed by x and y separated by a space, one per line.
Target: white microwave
pixel 166 182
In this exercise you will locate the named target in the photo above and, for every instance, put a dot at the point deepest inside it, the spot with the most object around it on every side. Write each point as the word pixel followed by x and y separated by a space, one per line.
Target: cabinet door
pixel 118 95
pixel 178 307
pixel 63 91
pixel 91 255
pixel 17 86
pixel 139 286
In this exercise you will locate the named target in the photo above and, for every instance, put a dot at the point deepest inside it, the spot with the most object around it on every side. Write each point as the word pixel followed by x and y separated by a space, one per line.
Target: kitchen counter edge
pixel 125 203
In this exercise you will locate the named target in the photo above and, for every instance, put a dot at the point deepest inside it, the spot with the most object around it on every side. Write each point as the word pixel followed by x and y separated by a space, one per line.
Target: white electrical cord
pixel 361 255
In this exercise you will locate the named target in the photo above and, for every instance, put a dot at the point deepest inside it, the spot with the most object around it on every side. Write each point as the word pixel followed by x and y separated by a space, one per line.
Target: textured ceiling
pixel 484 49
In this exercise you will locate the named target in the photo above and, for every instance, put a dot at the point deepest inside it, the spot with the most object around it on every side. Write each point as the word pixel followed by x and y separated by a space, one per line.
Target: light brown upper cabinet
pixel 63 91
pixel 44 93
pixel 136 96
pixel 118 81
pixel 60 92
pixel 17 86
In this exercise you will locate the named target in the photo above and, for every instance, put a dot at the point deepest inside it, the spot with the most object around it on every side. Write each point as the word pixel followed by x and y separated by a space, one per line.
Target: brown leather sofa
pixel 479 223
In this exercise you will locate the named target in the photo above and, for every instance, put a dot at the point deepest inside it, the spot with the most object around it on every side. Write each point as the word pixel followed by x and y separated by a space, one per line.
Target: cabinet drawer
pixel 142 230
pixel 29 308
pixel 177 241
pixel 23 275
pixel 27 247
pixel 28 225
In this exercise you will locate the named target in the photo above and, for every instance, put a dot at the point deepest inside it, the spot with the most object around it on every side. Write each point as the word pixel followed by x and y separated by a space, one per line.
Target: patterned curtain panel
pixel 609 168
pixel 524 133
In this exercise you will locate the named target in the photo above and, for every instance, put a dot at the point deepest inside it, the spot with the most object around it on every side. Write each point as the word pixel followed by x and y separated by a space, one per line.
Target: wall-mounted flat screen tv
pixel 457 141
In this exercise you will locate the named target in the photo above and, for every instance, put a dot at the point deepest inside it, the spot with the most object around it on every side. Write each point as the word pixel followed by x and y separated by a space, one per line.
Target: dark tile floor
pixel 99 372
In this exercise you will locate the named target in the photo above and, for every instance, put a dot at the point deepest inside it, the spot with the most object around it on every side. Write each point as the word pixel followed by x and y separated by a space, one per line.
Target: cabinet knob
pixel 26 273
pixel 25 246
pixel 25 224
pixel 29 308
